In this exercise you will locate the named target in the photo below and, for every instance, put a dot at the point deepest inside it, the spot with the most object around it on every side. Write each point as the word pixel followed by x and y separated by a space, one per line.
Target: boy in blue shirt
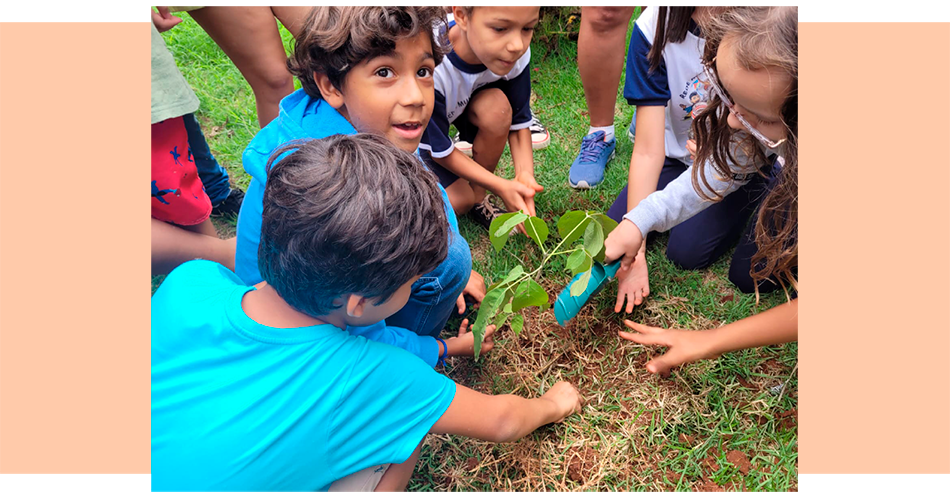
pixel 368 70
pixel 260 388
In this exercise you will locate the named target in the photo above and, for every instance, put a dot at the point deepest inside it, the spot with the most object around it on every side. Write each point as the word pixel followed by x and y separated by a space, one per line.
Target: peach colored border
pixel 875 248
pixel 74 248
pixel 74 332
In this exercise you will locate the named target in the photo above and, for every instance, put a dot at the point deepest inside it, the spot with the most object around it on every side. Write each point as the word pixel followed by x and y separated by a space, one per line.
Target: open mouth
pixel 408 127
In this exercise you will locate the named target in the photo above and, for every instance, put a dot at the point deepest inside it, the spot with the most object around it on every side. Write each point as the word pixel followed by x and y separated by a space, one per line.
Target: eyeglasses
pixel 712 75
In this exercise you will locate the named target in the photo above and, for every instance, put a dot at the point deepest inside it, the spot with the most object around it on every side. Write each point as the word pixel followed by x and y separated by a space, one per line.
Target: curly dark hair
pixel 335 39
pixel 348 214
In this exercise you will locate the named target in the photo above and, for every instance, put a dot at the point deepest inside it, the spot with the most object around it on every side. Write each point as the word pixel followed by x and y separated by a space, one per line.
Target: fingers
pixel 463 328
pixel 460 303
pixel 627 261
pixel 631 302
pixel 489 331
pixel 642 328
pixel 662 365
pixel 643 339
pixel 620 298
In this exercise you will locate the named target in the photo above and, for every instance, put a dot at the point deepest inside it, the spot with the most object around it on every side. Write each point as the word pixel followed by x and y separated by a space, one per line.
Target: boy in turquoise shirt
pixel 368 70
pixel 260 388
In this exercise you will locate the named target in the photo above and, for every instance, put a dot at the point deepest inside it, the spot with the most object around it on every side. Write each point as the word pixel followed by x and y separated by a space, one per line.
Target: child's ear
pixel 461 18
pixel 330 93
pixel 355 305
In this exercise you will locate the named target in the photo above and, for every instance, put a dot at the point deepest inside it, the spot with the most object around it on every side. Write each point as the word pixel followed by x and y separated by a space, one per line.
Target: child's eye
pixel 498 30
pixel 424 72
pixel 384 72
pixel 529 28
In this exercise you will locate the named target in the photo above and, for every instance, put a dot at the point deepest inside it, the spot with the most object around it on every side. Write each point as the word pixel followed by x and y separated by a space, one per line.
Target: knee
pixel 492 112
pixel 740 277
pixel 462 197
pixel 602 19
pixel 687 256
pixel 275 83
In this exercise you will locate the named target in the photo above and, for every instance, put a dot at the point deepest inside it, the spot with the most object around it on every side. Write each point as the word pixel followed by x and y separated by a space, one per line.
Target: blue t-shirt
pixel 241 406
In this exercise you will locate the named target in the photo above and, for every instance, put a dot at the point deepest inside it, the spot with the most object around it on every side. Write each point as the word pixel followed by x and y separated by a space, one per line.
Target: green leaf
pixel 579 261
pixel 507 308
pixel 571 226
pixel 528 293
pixel 537 230
pixel 606 223
pixel 517 323
pixel 501 227
pixel 486 310
pixel 594 239
pixel 500 320
pixel 512 275
pixel 580 285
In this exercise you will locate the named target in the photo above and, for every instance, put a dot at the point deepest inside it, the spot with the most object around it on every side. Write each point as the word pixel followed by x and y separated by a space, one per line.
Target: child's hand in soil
pixel 684 345
pixel 633 283
pixel 475 288
pixel 464 343
pixel 565 397
pixel 516 195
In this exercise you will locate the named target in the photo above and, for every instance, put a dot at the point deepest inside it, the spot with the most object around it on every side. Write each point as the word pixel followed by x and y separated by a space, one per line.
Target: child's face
pixel 499 36
pixel 392 95
pixel 756 94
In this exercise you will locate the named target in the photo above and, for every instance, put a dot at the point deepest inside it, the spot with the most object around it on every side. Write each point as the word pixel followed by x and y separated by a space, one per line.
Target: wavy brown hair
pixel 336 39
pixel 762 37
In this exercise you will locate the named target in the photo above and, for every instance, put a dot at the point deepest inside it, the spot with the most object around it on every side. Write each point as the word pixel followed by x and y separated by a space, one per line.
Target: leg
pixel 396 478
pixel 490 112
pixel 292 17
pixel 699 241
pixel 461 196
pixel 213 176
pixel 172 245
pixel 600 54
pixel 249 36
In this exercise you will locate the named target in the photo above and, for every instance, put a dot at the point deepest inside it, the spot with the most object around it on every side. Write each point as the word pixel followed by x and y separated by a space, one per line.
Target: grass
pixel 712 425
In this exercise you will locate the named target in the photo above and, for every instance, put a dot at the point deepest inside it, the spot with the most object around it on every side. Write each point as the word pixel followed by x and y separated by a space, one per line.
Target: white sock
pixel 608 130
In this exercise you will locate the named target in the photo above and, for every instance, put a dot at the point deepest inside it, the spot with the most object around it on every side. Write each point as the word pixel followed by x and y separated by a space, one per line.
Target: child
pixel 484 88
pixel 751 64
pixel 368 70
pixel 665 81
pixel 181 228
pixel 262 389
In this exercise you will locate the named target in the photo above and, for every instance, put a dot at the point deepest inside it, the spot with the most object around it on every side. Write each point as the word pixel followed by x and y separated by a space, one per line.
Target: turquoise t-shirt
pixel 241 406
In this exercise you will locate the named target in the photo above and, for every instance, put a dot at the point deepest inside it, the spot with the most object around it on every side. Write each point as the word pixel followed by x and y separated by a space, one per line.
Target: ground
pixel 721 424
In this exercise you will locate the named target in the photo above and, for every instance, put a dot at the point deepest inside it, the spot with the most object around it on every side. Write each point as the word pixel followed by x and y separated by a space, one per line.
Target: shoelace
pixel 486 208
pixel 591 146
pixel 536 126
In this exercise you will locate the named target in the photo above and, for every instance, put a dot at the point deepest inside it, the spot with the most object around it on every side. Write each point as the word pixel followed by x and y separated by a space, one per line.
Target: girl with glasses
pixel 751 63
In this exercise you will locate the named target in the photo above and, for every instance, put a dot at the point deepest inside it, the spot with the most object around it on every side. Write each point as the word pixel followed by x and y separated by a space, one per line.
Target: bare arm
pixel 468 169
pixel 505 418
pixel 397 476
pixel 649 153
pixel 774 326
pixel 522 158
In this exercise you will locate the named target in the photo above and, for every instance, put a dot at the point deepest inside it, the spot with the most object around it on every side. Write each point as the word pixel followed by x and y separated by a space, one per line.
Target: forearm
pixel 522 155
pixel 521 416
pixel 649 153
pixel 468 169
pixel 772 327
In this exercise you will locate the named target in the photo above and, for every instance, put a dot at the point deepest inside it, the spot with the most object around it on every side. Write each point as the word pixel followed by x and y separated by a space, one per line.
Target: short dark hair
pixel 348 214
pixel 335 39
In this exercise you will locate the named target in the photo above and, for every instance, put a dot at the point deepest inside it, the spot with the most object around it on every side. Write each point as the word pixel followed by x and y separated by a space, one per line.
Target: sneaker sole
pixel 541 144
pixel 583 185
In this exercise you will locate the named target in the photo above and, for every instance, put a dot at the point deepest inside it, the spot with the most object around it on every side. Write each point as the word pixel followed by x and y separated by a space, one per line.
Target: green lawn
pixel 712 424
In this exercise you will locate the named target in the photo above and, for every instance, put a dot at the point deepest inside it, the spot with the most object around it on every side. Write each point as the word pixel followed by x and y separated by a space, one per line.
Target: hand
pixel 164 20
pixel 464 343
pixel 514 194
pixel 565 398
pixel 684 345
pixel 530 183
pixel 633 284
pixel 691 148
pixel 623 243
pixel 475 287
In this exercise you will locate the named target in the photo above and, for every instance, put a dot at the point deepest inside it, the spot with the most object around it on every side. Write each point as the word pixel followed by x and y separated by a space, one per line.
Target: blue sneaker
pixel 587 171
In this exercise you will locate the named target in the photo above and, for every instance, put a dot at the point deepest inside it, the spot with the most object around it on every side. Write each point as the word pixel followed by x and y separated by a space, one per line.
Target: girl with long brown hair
pixel 751 63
